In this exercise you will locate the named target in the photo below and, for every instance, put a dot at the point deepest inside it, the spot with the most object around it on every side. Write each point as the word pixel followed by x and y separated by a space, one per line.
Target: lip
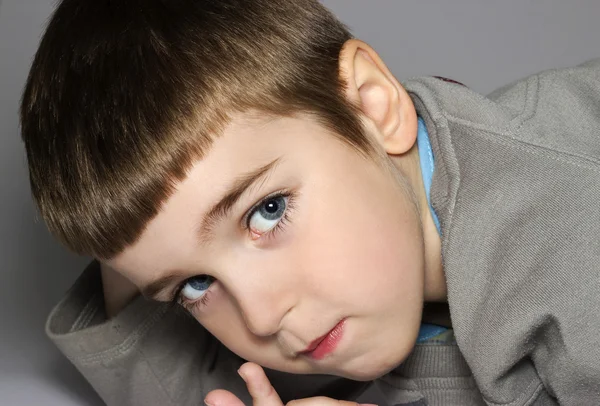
pixel 326 344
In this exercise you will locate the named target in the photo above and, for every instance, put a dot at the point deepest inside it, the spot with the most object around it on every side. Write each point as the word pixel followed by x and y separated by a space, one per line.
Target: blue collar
pixel 427 165
pixel 427 331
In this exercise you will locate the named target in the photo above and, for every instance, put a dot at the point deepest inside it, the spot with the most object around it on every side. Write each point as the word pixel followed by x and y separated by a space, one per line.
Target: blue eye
pixel 268 214
pixel 196 287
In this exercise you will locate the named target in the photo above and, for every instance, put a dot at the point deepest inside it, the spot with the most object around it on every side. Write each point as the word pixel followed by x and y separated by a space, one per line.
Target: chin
pixel 367 375
pixel 370 369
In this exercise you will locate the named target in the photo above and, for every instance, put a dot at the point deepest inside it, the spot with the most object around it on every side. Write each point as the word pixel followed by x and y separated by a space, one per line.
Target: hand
pixel 263 393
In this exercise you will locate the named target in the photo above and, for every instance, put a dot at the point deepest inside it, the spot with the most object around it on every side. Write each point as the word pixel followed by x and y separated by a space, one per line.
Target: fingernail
pixel 240 373
pixel 207 403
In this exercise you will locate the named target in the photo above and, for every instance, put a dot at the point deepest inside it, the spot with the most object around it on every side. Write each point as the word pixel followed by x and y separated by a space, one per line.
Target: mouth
pixel 325 345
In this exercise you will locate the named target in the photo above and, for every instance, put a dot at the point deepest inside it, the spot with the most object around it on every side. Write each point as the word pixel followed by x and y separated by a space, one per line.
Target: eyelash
pixel 191 307
pixel 282 223
pixel 203 301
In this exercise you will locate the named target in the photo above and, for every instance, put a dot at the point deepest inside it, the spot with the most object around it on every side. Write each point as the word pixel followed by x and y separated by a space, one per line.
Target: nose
pixel 263 308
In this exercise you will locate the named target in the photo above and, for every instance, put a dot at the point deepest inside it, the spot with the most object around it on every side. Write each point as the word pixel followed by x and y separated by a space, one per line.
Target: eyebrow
pixel 154 289
pixel 223 207
pixel 216 214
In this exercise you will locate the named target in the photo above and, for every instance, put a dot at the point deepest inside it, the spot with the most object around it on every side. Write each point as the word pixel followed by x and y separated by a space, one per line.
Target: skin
pixel 358 241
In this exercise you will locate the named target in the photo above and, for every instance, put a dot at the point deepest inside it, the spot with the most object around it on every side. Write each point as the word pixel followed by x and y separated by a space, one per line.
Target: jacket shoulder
pixel 560 110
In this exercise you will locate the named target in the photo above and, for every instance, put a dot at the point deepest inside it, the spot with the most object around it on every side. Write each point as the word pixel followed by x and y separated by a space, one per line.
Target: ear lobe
pixel 381 98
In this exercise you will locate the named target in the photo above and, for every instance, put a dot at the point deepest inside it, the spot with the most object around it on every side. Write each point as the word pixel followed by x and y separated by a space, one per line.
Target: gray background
pixel 483 44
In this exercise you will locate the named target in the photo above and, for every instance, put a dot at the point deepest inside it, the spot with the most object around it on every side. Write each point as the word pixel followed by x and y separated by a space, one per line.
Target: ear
pixel 380 96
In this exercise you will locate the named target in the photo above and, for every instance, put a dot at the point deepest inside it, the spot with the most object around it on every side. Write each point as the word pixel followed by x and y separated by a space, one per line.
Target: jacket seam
pixel 86 315
pixel 158 381
pixel 536 394
pixel 521 402
pixel 129 342
pixel 531 93
pixel 532 149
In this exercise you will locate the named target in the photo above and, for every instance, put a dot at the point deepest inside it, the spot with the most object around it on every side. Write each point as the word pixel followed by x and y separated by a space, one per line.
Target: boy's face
pixel 322 235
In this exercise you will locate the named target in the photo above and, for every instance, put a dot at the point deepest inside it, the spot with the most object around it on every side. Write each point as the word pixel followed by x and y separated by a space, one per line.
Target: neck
pixel 435 280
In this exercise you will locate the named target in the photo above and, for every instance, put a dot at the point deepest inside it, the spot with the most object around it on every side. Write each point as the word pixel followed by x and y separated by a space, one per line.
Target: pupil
pixel 272 207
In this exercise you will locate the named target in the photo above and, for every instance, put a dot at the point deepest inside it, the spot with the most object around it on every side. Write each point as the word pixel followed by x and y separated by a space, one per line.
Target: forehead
pixel 247 143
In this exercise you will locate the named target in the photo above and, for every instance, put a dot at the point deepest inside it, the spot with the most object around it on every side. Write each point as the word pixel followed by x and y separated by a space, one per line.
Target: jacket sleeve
pixel 567 120
pixel 155 354
pixel 540 251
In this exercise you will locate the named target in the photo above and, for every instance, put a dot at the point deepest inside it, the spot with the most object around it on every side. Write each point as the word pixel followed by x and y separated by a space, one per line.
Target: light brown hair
pixel 124 96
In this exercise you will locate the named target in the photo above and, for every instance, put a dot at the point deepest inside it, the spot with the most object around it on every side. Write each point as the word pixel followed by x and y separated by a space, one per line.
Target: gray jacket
pixel 516 188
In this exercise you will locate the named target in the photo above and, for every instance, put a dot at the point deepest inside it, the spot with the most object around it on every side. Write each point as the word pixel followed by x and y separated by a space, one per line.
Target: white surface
pixel 481 43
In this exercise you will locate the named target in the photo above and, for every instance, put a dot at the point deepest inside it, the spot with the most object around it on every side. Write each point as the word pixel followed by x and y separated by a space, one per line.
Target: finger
pixel 323 401
pixel 221 397
pixel 261 390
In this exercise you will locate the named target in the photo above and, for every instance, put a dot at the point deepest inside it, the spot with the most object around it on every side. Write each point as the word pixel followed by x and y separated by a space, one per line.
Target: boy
pixel 252 162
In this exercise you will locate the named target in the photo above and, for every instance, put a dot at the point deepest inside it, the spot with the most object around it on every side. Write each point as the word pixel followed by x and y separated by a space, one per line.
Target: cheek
pixel 225 322
pixel 366 251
